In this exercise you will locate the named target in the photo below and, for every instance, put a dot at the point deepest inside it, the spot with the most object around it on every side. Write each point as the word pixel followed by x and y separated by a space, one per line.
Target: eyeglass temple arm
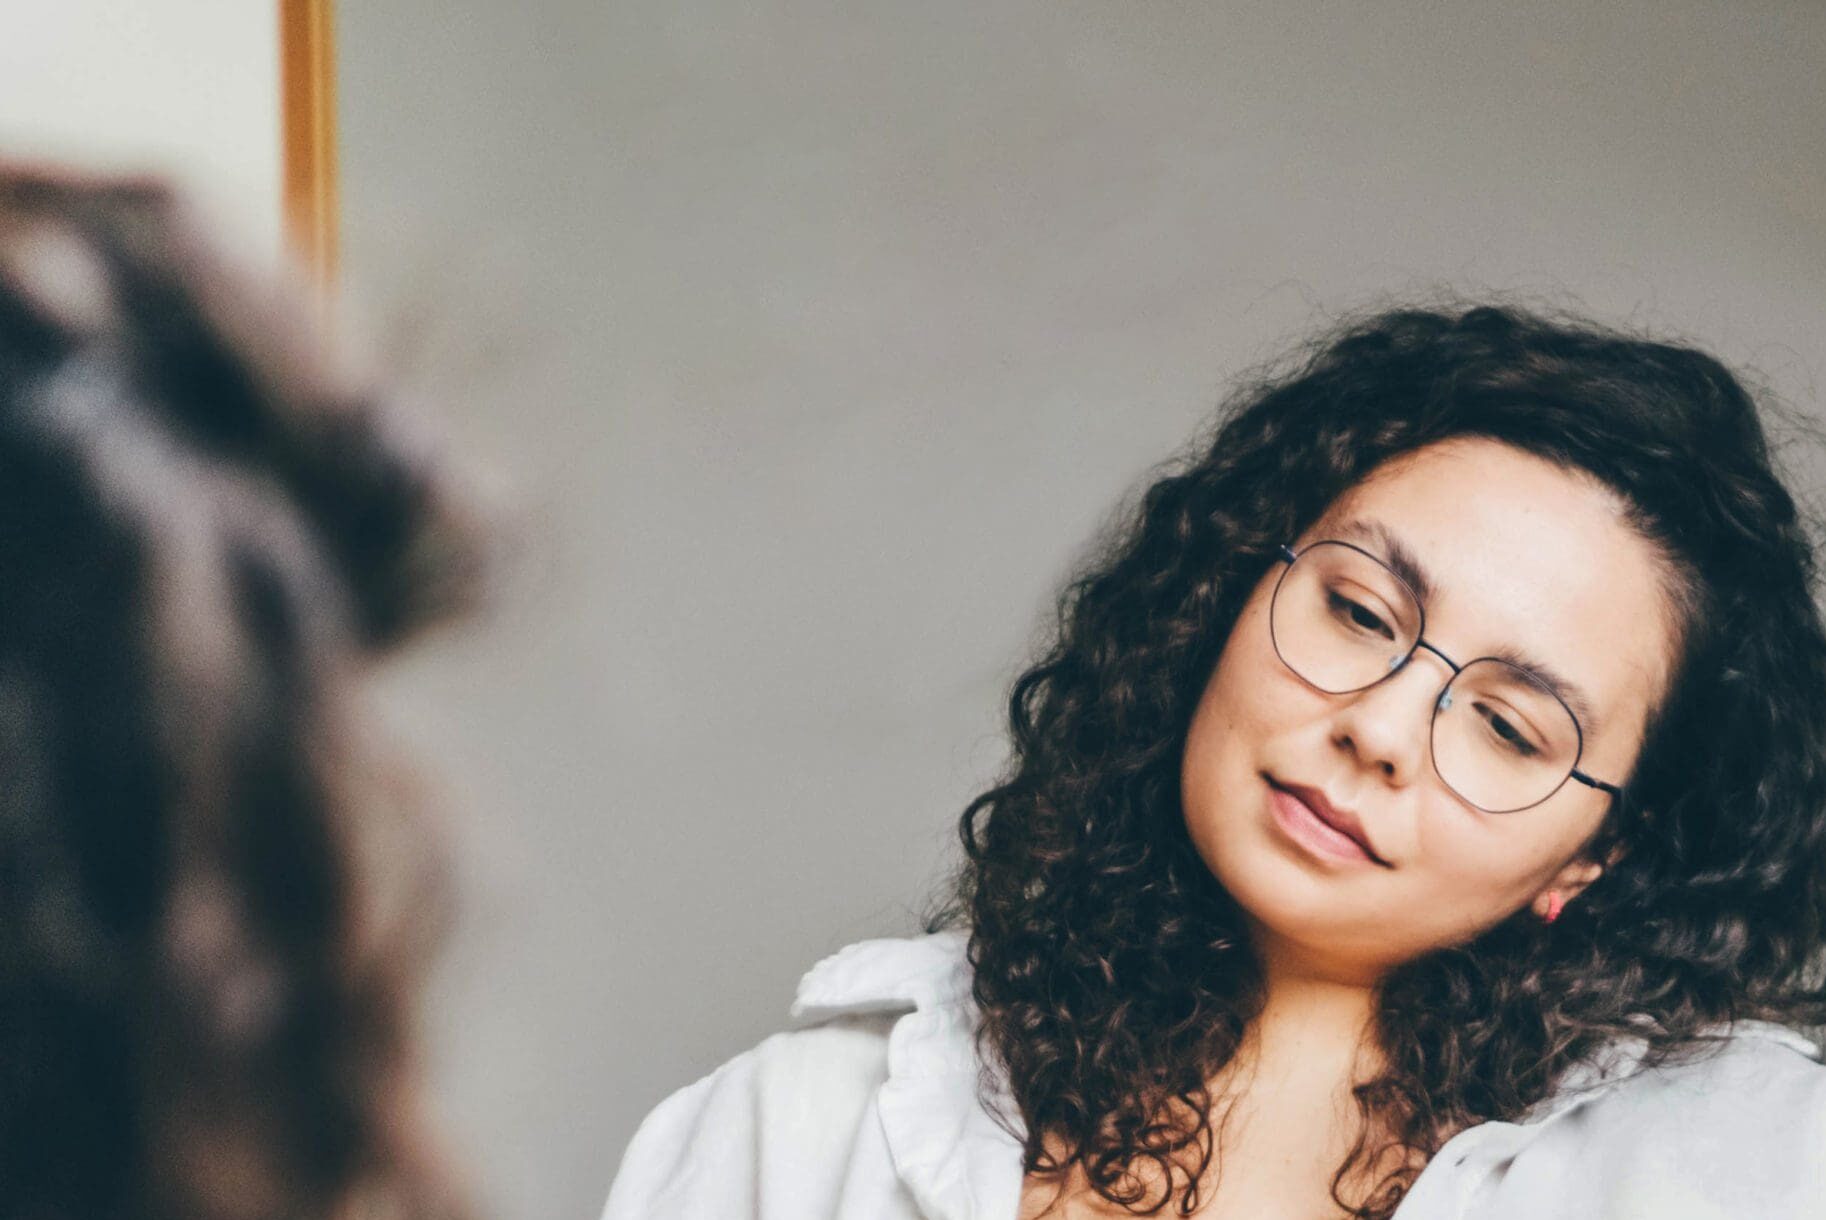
pixel 1599 784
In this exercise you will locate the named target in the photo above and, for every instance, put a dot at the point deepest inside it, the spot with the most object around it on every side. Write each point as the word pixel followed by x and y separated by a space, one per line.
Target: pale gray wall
pixel 187 89
pixel 819 338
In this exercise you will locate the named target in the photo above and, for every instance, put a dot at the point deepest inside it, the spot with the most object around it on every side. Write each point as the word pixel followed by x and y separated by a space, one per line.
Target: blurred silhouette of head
pixel 212 915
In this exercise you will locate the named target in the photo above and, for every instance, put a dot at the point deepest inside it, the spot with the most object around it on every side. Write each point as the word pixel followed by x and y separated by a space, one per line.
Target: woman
pixel 1421 810
pixel 208 943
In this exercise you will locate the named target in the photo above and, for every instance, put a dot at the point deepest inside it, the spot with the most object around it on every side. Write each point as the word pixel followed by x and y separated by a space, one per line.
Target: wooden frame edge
pixel 307 115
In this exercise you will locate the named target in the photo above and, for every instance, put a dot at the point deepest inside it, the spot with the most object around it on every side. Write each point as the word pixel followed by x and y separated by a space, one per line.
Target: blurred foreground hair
pixel 1113 971
pixel 213 910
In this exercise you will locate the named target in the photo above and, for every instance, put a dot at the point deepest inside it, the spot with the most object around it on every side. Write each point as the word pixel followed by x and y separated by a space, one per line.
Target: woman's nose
pixel 1388 726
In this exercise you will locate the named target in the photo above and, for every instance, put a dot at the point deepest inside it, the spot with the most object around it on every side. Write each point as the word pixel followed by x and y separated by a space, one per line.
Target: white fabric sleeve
pixel 768 1136
pixel 664 1174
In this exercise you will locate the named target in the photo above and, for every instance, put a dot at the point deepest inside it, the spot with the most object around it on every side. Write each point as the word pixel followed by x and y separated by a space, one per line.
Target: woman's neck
pixel 1317 1020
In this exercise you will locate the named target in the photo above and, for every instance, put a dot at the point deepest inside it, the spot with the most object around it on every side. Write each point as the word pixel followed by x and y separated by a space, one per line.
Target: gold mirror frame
pixel 307 110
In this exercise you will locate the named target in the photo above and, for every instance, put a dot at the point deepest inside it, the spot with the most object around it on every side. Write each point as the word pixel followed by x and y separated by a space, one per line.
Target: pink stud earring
pixel 1555 904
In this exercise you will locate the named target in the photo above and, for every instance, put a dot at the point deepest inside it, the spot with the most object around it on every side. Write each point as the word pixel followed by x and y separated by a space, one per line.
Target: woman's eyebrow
pixel 1395 553
pixel 1568 691
pixel 1402 561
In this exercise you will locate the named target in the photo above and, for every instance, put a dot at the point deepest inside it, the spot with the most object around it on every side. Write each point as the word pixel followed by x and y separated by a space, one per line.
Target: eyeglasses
pixel 1500 739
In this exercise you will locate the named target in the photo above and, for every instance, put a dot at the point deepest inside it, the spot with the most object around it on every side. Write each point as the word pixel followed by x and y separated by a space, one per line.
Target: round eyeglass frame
pixel 1287 555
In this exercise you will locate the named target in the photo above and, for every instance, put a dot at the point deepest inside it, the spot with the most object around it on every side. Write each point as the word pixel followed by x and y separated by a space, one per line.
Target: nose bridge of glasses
pixel 1390 691
pixel 1453 668
pixel 1442 694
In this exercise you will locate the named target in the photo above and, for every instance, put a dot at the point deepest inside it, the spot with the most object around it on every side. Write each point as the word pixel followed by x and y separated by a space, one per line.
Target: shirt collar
pixel 885 976
pixel 949 1118
pixel 959 1158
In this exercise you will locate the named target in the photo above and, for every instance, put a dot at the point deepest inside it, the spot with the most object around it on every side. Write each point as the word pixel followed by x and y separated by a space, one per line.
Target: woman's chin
pixel 1297 904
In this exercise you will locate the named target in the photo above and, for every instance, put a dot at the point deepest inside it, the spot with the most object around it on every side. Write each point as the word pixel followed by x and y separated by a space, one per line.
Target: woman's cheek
pixel 1477 870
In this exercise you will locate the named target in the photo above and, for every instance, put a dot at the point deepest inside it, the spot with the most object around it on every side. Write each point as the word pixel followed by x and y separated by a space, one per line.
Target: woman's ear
pixel 1568 883
pixel 1579 873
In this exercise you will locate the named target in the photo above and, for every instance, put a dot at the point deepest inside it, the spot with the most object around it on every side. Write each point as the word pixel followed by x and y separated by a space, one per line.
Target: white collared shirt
pixel 868 1109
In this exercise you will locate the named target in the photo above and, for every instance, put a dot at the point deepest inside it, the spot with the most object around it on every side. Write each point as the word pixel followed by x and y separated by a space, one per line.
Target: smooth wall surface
pixel 188 88
pixel 818 340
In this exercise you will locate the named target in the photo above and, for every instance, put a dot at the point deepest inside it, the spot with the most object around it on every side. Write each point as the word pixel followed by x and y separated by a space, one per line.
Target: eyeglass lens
pixel 1343 621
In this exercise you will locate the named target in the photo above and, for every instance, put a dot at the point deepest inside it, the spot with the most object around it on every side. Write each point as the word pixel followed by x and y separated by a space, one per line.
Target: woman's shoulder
pixel 1760 1092
pixel 1737 1129
pixel 847 1016
pixel 1756 1074
pixel 873 1022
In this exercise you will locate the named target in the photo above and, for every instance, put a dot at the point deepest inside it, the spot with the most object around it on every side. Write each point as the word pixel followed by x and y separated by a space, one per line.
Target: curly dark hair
pixel 213 909
pixel 1112 970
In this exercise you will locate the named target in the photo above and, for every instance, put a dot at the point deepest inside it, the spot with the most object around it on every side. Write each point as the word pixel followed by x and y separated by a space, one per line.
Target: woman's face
pixel 1520 556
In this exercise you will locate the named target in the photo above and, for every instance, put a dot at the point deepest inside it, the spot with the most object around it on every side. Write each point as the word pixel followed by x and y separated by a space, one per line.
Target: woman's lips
pixel 1297 819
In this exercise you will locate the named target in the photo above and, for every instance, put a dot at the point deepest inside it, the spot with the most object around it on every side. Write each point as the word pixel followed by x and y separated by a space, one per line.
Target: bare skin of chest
pixel 1277 1158
pixel 1258 1191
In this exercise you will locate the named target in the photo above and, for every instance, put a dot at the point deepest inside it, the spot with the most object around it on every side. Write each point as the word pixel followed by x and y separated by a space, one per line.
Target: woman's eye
pixel 1506 733
pixel 1360 616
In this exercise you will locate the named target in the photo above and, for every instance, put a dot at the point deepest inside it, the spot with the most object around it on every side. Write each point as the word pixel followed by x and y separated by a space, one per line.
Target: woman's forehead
pixel 1512 552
